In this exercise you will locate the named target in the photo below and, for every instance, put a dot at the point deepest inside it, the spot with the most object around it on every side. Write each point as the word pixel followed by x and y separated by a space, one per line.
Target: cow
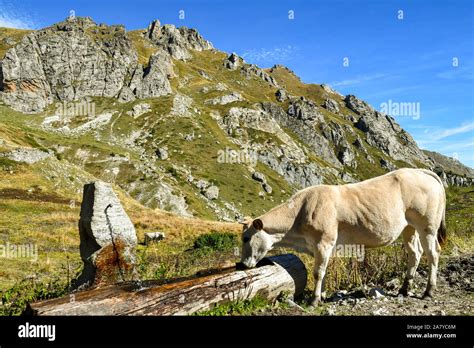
pixel 372 213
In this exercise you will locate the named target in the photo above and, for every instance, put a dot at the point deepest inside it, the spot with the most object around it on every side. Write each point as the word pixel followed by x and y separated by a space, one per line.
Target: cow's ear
pixel 258 224
pixel 246 221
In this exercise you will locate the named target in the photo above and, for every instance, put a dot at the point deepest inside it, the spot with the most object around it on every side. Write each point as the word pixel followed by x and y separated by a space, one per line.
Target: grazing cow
pixel 372 213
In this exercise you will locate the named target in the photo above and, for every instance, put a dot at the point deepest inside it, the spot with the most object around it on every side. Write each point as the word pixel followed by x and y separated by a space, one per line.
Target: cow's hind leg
pixel 431 247
pixel 413 247
pixel 322 254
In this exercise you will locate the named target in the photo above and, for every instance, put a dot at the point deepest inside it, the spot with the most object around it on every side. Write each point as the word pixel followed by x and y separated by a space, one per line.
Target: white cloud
pixel 11 18
pixel 357 80
pixel 394 91
pixel 468 127
pixel 273 55
pixel 456 73
pixel 440 140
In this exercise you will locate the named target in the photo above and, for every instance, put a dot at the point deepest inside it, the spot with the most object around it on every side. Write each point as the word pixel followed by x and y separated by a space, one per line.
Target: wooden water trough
pixel 272 277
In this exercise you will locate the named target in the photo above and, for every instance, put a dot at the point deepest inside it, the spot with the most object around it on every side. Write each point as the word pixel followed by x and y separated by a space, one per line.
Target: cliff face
pixel 78 58
pixel 187 128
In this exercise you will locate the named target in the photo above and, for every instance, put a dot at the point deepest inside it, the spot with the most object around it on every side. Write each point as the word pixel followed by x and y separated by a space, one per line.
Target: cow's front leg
pixel 322 254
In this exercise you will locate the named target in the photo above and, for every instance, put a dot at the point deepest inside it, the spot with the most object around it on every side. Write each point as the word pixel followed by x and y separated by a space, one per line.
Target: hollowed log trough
pixel 272 277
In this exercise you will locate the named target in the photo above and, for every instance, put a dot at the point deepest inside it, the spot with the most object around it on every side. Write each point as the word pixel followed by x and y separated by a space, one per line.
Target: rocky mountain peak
pixel 75 23
pixel 177 41
pixel 77 58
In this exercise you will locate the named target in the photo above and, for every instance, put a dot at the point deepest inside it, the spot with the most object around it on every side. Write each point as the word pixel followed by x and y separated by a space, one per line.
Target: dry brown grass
pixel 176 227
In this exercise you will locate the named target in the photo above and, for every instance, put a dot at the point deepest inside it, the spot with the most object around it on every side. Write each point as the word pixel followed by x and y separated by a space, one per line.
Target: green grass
pixel 142 45
pixel 15 299
pixel 460 219
pixel 245 307
pixel 215 241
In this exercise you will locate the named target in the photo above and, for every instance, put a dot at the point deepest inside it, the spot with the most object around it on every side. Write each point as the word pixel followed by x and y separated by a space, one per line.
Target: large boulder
pixel 212 192
pixel 225 99
pixel 233 61
pixel 360 107
pixel 107 238
pixel 331 105
pixel 153 81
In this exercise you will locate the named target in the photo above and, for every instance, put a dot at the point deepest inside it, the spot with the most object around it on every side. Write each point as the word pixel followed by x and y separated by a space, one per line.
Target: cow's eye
pixel 246 239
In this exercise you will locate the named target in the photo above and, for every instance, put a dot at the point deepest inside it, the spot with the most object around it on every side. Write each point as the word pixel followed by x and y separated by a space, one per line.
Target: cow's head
pixel 255 242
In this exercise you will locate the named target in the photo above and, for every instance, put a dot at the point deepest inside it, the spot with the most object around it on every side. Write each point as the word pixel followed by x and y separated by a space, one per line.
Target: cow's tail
pixel 442 235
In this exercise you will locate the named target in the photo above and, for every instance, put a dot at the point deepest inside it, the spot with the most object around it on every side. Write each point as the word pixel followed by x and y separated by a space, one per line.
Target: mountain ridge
pixel 168 103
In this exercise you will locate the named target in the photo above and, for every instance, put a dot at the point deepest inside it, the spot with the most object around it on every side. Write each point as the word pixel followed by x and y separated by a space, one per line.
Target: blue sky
pixel 423 56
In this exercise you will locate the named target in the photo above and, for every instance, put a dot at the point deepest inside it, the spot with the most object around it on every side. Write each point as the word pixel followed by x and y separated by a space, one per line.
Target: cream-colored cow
pixel 371 213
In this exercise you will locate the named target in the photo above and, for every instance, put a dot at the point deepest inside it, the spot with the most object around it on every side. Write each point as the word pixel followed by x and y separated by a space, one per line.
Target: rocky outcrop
pixel 259 177
pixel 211 192
pixel 162 153
pixel 301 174
pixel 329 90
pixel 384 133
pixel 107 238
pixel 152 81
pixel 139 109
pixel 302 118
pixel 360 107
pixel 388 165
pixel 281 95
pixel 449 165
pixel 26 155
pixel 452 179
pixel 158 194
pixel 251 70
pixel 233 61
pixel 331 105
pixel 78 58
pixel 152 237
pixel 67 61
pixel 181 105
pixel 177 41
pixel 225 99
pixel 305 110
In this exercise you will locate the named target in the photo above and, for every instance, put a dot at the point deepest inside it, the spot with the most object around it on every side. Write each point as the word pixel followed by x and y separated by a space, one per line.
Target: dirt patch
pixel 454 296
pixel 34 194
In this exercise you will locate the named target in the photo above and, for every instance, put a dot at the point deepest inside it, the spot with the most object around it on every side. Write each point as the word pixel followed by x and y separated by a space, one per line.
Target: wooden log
pixel 272 277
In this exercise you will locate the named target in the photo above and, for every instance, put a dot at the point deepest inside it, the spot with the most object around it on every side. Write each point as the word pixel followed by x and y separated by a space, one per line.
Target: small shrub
pixel 245 307
pixel 215 241
pixel 15 299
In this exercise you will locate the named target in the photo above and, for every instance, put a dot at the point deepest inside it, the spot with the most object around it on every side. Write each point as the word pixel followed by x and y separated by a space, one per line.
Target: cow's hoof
pixel 403 291
pixel 315 303
pixel 428 295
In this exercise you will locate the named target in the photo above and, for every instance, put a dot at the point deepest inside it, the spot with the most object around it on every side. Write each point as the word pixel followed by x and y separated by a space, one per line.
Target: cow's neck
pixel 280 219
